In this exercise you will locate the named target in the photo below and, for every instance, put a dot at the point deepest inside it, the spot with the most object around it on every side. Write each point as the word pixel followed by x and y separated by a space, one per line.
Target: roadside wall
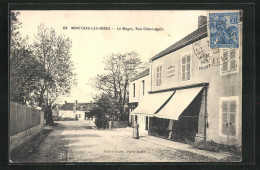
pixel 25 123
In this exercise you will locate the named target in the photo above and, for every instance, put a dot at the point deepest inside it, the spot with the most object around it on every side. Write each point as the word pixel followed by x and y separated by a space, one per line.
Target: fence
pixel 23 118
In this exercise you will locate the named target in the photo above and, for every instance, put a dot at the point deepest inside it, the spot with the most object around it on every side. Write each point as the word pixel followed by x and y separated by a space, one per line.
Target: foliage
pixel 120 124
pixel 101 123
pixel 113 84
pixel 97 113
pixel 15 36
pixel 25 70
pixel 105 103
pixel 53 51
pixel 213 146
pixel 42 72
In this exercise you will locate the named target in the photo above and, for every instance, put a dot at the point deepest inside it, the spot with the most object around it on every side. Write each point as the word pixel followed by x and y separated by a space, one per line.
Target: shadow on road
pixel 80 135
pixel 27 148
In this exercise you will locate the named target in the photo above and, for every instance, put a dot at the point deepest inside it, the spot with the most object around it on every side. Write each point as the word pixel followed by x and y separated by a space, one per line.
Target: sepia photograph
pixel 125 86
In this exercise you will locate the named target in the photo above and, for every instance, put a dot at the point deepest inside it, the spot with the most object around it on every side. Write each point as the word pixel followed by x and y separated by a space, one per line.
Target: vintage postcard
pixel 125 86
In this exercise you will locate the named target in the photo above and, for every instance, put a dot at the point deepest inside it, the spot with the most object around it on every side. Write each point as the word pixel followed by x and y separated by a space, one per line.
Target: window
pixel 229 60
pixel 185 68
pixel 229 116
pixel 136 118
pixel 143 86
pixel 134 90
pixel 159 75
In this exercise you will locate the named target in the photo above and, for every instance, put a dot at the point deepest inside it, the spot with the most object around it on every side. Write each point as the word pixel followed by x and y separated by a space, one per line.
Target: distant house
pixel 77 110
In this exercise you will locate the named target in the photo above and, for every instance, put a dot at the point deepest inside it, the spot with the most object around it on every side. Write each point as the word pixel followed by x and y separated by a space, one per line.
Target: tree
pixel 25 70
pixel 53 52
pixel 42 72
pixel 106 103
pixel 114 83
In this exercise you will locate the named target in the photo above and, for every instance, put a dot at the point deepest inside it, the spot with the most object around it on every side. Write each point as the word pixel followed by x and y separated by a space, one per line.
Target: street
pixel 80 141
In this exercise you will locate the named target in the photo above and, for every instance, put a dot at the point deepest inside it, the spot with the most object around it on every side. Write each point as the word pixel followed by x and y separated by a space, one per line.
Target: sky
pixel 90 46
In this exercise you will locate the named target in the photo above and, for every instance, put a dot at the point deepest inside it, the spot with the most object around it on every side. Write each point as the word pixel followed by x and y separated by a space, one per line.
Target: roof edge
pixel 203 84
pixel 138 77
pixel 180 44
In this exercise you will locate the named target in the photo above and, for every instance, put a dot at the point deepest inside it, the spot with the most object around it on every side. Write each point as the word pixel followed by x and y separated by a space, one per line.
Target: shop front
pixel 178 120
pixel 176 114
pixel 150 104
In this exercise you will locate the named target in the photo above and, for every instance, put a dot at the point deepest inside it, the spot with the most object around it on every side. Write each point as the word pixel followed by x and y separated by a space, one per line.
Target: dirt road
pixel 80 141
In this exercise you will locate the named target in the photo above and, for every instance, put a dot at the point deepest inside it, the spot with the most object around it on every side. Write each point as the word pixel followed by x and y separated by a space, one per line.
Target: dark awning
pixel 178 103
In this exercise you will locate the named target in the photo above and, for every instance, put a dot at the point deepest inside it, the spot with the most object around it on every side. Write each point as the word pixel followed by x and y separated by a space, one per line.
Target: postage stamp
pixel 224 30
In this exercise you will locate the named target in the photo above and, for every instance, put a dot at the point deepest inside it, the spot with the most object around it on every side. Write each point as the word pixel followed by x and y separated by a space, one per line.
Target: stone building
pixel 195 90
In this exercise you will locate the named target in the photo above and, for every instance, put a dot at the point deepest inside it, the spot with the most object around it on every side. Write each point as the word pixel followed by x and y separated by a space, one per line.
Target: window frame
pixel 143 83
pixel 236 58
pixel 229 99
pixel 185 55
pixel 159 69
pixel 133 89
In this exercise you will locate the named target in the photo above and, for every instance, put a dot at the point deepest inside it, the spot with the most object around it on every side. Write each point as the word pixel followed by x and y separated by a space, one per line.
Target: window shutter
pixel 225 55
pixel 188 58
pixel 183 68
pixel 232 111
pixel 183 60
pixel 232 118
pixel 188 67
pixel 233 106
pixel 225 61
pixel 224 117
pixel 160 75
pixel 188 75
pixel 157 76
pixel 232 64
pixel 233 59
pixel 183 76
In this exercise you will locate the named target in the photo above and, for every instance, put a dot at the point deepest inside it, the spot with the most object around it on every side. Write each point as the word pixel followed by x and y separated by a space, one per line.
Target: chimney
pixel 65 101
pixel 202 20
pixel 76 101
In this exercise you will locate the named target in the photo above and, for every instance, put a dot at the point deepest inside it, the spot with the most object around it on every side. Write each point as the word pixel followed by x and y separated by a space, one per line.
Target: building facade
pixel 138 90
pixel 195 91
pixel 80 111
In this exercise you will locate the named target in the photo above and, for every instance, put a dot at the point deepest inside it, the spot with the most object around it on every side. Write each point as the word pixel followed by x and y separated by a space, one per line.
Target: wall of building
pixel 80 115
pixel 142 122
pixel 67 114
pixel 138 98
pixel 220 85
pixel 139 89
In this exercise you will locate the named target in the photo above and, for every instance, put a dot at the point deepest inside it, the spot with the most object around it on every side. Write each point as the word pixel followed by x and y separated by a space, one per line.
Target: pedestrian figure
pixel 135 130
